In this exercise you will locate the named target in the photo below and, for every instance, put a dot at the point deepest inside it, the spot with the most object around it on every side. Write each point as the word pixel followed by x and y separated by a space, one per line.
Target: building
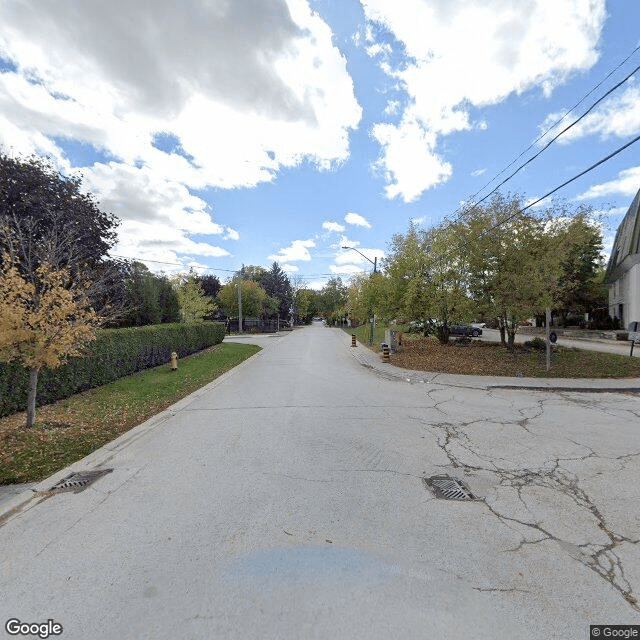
pixel 623 270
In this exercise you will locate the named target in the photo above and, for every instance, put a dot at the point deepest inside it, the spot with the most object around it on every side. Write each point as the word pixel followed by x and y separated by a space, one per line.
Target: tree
pixel 194 305
pixel 305 305
pixel 46 219
pixel 276 283
pixel 149 298
pixel 42 322
pixel 333 298
pixel 580 287
pixel 210 284
pixel 250 272
pixel 254 298
pixel 514 260
pixel 427 278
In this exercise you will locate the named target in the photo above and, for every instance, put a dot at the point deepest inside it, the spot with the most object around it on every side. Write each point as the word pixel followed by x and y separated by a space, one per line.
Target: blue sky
pixel 229 133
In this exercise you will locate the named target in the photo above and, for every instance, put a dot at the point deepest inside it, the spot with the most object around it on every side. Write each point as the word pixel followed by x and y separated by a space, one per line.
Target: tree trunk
pixel 512 338
pixel 31 399
pixel 442 333
pixel 501 326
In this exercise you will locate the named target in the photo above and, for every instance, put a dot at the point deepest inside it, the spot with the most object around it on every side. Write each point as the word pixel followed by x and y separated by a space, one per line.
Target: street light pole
pixel 374 262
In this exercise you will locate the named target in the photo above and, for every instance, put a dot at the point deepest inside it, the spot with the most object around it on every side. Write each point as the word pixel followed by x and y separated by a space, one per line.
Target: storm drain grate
pixel 449 488
pixel 79 481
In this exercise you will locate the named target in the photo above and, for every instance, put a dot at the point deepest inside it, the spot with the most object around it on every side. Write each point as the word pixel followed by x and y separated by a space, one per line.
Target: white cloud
pixel 347 256
pixel 253 92
pixel 347 269
pixel 626 184
pixel 392 108
pixel 344 242
pixel 231 234
pixel 357 220
pixel 478 172
pixel 333 226
pixel 289 268
pixel 468 54
pixel 618 116
pixel 298 250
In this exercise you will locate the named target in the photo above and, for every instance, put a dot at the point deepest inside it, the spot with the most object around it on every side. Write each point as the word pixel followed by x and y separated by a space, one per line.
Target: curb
pixel 29 498
pixel 370 360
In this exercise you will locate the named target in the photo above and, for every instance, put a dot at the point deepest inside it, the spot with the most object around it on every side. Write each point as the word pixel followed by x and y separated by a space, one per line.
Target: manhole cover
pixel 449 488
pixel 79 481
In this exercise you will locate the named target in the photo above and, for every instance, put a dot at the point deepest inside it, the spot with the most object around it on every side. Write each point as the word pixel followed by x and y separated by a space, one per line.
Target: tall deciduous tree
pixel 333 298
pixel 194 305
pixel 254 298
pixel 45 218
pixel 42 322
pixel 427 278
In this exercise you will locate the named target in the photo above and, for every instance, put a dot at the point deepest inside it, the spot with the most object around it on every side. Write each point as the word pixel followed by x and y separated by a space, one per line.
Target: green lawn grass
pixel 70 429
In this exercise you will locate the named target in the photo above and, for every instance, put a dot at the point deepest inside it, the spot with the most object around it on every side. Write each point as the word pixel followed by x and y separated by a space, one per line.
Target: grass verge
pixel 71 429
pixel 363 333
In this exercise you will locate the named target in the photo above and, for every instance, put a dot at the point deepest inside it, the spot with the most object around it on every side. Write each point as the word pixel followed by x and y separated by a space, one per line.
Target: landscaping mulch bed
pixel 475 357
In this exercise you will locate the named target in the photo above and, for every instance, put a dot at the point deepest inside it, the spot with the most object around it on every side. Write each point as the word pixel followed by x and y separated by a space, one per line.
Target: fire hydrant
pixel 174 361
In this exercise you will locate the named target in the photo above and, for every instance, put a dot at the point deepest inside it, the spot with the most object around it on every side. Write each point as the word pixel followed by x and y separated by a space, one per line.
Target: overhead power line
pixel 546 146
pixel 311 276
pixel 552 127
pixel 564 184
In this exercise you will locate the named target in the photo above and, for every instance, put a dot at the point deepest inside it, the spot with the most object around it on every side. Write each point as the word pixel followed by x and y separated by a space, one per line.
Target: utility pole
pixel 239 285
pixel 548 322
pixel 372 318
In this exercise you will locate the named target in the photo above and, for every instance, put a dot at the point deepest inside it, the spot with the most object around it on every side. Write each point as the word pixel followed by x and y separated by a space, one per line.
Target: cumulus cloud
pixel 626 184
pixel 253 92
pixel 465 54
pixel 298 250
pixel 346 269
pixel 333 226
pixel 618 116
pixel 353 257
pixel 357 220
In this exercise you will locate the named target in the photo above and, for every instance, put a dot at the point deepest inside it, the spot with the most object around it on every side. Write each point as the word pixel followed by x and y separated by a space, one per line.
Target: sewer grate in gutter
pixel 448 488
pixel 78 481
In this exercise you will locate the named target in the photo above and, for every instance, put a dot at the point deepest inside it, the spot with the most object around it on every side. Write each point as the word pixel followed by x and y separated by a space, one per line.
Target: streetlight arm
pixel 373 262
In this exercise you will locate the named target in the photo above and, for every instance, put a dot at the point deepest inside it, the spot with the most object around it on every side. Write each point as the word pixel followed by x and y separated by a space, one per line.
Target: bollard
pixel 385 354
pixel 174 361
pixel 353 340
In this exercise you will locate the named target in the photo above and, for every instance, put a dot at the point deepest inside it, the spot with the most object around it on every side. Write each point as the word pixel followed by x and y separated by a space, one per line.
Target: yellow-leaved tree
pixel 42 324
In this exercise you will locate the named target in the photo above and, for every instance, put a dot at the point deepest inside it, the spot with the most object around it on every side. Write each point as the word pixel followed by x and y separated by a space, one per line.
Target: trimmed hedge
pixel 114 354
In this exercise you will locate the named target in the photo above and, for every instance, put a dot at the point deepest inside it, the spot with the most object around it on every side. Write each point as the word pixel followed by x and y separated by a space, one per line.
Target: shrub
pixel 114 354
pixel 537 343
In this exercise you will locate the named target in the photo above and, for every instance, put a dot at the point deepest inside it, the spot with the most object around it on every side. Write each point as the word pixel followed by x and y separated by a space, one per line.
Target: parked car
pixel 464 330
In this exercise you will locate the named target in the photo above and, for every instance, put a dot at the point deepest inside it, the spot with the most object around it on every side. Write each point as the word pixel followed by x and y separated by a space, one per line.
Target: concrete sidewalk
pixel 372 360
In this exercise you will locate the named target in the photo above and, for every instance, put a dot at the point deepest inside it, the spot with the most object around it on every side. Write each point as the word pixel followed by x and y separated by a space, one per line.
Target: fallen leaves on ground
pixel 475 357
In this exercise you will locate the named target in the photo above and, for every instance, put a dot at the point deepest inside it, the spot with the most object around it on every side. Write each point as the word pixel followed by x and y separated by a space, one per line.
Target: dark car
pixel 464 330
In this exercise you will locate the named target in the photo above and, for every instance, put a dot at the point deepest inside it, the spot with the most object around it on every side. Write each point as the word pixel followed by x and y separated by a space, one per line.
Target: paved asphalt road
pixel 287 500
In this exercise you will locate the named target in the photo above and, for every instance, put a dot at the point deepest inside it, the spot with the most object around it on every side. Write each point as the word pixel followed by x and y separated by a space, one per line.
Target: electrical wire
pixel 532 158
pixel 311 276
pixel 564 184
pixel 551 128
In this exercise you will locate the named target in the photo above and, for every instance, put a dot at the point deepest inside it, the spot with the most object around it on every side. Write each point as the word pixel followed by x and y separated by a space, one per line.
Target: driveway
pixel 288 499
